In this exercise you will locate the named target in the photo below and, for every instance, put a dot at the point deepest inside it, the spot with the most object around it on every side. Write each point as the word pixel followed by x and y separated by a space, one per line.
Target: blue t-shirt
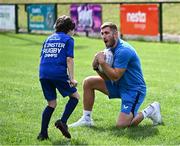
pixel 126 57
pixel 55 51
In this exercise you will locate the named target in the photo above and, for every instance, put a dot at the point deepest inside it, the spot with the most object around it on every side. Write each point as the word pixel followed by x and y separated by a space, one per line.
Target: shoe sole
pixel 80 125
pixel 41 138
pixel 160 119
pixel 63 130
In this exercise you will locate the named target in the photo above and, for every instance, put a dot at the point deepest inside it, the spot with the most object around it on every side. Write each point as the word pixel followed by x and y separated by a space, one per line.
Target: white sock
pixel 147 111
pixel 87 114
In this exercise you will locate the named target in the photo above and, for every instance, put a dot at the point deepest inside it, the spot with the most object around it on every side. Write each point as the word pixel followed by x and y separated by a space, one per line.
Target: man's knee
pixel 85 81
pixel 88 81
pixel 122 124
pixel 124 120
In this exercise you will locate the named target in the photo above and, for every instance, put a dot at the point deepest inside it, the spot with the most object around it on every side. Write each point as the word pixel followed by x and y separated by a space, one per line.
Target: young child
pixel 56 71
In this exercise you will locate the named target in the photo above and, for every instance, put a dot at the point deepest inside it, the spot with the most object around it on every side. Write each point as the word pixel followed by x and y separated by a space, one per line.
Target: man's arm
pixel 102 75
pixel 113 74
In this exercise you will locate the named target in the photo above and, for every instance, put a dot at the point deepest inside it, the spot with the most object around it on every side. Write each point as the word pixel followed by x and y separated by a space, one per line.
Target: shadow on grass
pixel 81 46
pixel 37 42
pixel 70 142
pixel 31 41
pixel 140 132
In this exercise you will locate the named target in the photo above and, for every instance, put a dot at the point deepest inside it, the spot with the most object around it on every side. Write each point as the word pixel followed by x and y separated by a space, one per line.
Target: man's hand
pixel 95 63
pixel 100 57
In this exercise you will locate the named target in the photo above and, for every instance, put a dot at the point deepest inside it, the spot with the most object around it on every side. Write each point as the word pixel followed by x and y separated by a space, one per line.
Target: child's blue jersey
pixel 56 49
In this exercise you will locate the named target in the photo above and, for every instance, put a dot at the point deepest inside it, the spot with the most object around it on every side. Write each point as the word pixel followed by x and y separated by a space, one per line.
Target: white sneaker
pixel 156 114
pixel 83 121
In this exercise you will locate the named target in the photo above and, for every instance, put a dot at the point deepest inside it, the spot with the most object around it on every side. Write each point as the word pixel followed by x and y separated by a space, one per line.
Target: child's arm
pixel 70 65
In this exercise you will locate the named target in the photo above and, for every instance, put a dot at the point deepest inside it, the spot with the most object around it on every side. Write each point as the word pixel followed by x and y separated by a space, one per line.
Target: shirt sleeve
pixel 70 48
pixel 122 58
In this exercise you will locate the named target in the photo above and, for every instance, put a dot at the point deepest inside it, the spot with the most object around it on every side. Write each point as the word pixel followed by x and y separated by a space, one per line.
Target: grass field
pixel 22 101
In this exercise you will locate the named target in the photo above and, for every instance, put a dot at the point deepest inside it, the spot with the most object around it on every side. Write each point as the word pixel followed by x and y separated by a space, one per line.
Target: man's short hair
pixel 111 25
pixel 64 24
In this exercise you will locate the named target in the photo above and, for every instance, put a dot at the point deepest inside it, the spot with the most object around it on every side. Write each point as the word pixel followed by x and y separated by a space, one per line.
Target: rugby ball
pixel 108 59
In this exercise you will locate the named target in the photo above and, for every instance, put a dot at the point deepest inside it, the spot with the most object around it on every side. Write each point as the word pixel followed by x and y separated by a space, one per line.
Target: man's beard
pixel 112 43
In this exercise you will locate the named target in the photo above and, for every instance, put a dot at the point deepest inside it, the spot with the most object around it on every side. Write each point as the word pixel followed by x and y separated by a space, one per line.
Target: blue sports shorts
pixel 49 87
pixel 131 99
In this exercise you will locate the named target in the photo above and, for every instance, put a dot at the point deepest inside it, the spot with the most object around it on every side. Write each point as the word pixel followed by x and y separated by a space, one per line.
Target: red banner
pixel 139 19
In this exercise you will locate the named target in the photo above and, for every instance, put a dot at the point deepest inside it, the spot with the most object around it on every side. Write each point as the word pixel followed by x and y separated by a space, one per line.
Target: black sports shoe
pixel 42 137
pixel 63 128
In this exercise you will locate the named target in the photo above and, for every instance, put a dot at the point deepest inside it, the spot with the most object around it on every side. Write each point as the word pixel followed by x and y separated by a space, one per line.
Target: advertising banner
pixel 7 17
pixel 88 17
pixel 41 17
pixel 139 19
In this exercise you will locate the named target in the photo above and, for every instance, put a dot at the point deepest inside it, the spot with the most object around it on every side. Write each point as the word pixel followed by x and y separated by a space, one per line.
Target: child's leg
pixel 46 117
pixel 49 92
pixel 70 106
